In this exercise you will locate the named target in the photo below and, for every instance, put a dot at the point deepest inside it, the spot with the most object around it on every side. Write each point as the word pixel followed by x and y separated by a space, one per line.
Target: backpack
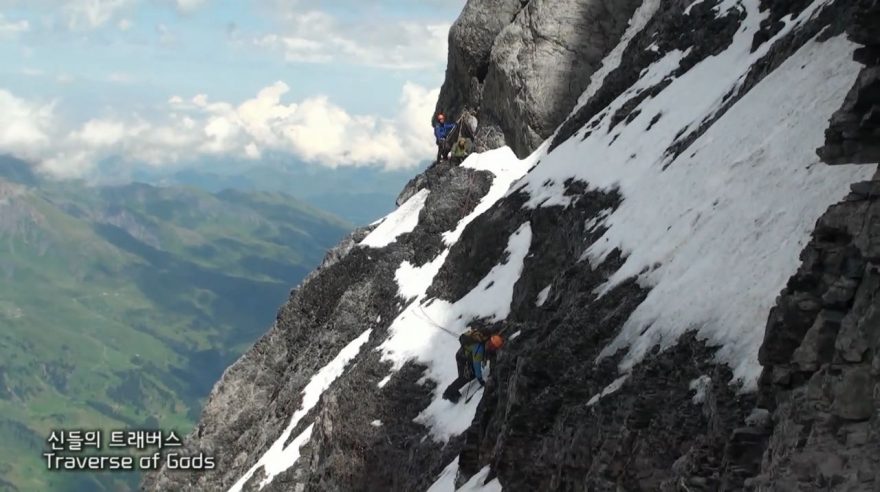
pixel 472 336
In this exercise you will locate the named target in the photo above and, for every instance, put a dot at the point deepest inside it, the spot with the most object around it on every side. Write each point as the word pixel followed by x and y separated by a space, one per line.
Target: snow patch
pixel 611 62
pixel 280 457
pixel 384 381
pixel 446 481
pixel 728 218
pixel 427 331
pixel 611 388
pixel 591 224
pixel 504 164
pixel 722 8
pixel 693 4
pixel 515 335
pixel 413 281
pixel 376 423
pixel 476 483
pixel 398 222
pixel 542 296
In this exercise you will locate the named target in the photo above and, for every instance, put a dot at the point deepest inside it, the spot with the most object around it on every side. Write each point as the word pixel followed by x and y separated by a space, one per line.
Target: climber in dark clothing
pixel 442 130
pixel 474 352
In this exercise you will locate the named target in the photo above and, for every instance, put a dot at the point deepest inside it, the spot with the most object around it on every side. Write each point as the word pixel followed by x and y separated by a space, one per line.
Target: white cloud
pixel 91 14
pixel 85 15
pixel 306 34
pixel 24 126
pixel 12 28
pixel 188 5
pixel 98 134
pixel 314 129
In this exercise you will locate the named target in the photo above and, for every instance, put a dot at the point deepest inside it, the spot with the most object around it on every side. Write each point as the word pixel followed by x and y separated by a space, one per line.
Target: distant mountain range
pixel 121 305
pixel 359 195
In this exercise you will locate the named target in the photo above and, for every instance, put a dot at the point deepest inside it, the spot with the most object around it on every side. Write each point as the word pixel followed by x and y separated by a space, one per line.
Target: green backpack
pixel 472 336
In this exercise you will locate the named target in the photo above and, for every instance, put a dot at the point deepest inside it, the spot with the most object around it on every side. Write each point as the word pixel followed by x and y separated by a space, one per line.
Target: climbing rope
pixel 424 317
pixel 466 203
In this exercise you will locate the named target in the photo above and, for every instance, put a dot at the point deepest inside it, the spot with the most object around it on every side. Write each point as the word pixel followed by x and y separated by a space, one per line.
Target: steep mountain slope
pixel 633 260
pixel 120 307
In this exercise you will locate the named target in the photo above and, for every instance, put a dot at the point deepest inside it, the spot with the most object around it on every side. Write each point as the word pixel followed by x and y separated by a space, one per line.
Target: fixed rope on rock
pixel 424 317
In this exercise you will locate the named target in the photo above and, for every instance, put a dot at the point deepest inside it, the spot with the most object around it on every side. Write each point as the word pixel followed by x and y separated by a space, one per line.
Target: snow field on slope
pixel 280 457
pixel 419 334
pixel 717 235
pixel 611 388
pixel 446 481
pixel 639 20
pixel 426 330
pixel 507 168
pixel 401 221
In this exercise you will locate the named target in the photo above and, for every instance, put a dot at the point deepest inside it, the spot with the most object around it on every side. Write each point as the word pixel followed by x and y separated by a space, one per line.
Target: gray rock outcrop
pixel 854 133
pixel 524 75
pixel 821 350
pixel 821 375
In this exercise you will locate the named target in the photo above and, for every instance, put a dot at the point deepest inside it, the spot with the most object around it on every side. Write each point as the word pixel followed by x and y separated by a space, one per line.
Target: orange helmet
pixel 495 342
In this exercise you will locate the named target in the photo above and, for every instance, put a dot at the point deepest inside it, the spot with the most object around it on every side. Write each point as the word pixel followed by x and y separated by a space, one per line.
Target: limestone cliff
pixel 521 65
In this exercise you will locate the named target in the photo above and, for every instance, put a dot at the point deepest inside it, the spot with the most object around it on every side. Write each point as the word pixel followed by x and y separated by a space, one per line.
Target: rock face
pixel 522 64
pixel 854 134
pixel 352 291
pixel 565 408
pixel 821 352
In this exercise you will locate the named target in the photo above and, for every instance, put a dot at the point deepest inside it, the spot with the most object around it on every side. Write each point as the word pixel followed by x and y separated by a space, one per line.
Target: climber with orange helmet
pixel 476 349
pixel 442 130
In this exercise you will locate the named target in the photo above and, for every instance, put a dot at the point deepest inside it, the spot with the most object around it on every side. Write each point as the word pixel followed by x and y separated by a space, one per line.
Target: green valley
pixel 121 306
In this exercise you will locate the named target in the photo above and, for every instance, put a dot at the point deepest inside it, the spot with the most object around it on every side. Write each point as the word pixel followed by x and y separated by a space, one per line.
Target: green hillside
pixel 120 307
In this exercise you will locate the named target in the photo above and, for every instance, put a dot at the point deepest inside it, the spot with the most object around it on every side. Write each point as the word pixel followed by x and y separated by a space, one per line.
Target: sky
pixel 166 82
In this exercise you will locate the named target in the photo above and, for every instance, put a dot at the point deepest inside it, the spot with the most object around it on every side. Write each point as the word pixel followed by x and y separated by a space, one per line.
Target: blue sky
pixel 339 82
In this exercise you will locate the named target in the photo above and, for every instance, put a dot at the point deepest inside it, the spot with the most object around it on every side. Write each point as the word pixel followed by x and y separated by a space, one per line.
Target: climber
pixel 442 130
pixel 460 150
pixel 476 350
